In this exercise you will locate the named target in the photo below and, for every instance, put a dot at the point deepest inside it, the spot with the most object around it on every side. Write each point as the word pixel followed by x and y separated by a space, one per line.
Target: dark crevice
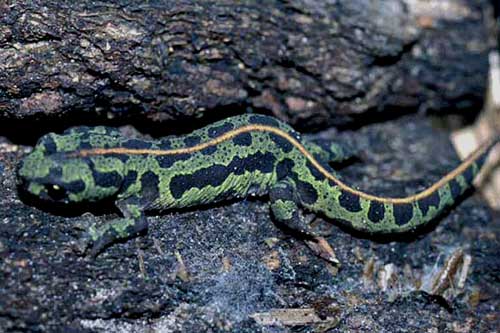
pixel 184 125
pixel 374 117
pixel 391 60
pixel 392 113
pixel 27 131
pixel 289 63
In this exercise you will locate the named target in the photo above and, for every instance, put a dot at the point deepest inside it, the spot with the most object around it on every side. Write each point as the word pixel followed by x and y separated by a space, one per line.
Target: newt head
pixel 55 172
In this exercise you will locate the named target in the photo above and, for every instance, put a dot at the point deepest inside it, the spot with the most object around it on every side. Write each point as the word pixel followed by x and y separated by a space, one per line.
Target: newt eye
pixel 56 192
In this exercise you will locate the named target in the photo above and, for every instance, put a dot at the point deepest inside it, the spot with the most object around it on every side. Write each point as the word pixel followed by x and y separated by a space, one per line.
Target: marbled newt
pixel 233 158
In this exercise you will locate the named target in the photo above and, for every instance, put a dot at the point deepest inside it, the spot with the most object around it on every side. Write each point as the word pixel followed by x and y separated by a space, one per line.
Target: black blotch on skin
pixel 216 174
pixel 122 157
pixel 455 189
pixel 137 144
pixel 216 131
pixel 425 203
pixel 349 201
pixel 192 140
pixel 281 142
pixel 307 192
pixel 53 177
pixel 403 213
pixel 130 179
pixel 315 172
pixel 283 191
pixel 468 174
pixel 166 161
pixel 258 161
pixel 284 168
pixel 376 212
pixel 263 120
pixel 209 150
pixel 107 179
pixel 164 145
pixel 55 173
pixel 150 186
pixel 76 186
pixel 85 145
pixel 332 183
pixel 243 139
pixel 50 145
pixel 263 162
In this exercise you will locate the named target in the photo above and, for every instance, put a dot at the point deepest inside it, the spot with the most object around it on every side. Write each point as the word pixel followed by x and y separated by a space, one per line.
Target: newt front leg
pixel 133 223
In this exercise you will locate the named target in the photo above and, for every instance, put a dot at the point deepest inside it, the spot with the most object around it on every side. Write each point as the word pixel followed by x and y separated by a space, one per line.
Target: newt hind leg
pixel 285 207
pixel 285 202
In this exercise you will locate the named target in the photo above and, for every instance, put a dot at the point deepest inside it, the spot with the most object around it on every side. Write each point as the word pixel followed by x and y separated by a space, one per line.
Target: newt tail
pixel 381 215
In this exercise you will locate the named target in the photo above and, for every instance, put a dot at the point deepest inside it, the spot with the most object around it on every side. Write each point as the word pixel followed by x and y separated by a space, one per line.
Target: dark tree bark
pixel 307 62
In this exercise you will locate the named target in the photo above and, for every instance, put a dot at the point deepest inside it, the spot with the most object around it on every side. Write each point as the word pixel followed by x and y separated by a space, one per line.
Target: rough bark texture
pixel 311 63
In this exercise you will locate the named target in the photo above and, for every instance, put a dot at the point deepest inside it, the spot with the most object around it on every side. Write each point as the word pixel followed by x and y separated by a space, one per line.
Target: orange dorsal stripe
pixel 264 128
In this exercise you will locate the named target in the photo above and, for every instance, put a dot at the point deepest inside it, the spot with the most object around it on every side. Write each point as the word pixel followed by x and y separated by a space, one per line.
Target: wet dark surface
pixel 218 268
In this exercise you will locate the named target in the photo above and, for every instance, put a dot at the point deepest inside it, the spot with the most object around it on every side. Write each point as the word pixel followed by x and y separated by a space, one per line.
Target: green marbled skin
pixel 252 162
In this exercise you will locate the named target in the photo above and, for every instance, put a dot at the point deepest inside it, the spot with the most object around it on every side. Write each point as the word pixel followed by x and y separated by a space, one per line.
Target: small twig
pixel 142 267
pixel 322 249
pixel 443 280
